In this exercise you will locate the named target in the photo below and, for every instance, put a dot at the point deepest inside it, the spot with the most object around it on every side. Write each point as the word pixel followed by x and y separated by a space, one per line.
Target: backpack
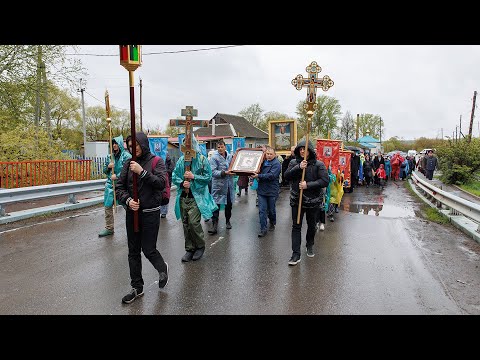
pixel 166 191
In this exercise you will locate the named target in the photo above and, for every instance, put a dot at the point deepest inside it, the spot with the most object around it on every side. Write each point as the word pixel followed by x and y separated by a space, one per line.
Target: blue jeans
pixel 164 209
pixel 266 203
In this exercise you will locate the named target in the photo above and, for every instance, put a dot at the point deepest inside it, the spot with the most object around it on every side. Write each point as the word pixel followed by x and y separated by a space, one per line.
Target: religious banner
pixel 282 135
pixel 328 151
pixel 158 145
pixel 344 162
pixel 180 139
pixel 238 142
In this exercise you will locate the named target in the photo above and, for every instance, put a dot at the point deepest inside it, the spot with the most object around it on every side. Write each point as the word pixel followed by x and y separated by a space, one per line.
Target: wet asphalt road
pixel 378 257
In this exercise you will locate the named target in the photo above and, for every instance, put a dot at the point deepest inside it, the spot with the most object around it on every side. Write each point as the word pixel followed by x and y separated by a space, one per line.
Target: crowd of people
pixel 205 186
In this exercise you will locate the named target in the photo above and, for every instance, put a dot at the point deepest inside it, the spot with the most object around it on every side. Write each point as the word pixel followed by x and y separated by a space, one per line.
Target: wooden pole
pixel 112 160
pixel 134 146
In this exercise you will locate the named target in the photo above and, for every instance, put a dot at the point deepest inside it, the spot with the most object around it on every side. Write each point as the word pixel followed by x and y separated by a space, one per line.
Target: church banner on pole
pixel 328 151
pixel 158 145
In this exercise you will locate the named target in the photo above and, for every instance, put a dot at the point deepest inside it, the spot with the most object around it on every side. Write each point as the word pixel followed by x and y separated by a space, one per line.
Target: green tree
pixel 172 131
pixel 370 124
pixel 254 115
pixel 29 143
pixel 458 160
pixel 324 118
pixel 18 79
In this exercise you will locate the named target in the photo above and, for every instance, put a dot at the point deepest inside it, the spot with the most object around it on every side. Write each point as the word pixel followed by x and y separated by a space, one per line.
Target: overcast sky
pixel 417 90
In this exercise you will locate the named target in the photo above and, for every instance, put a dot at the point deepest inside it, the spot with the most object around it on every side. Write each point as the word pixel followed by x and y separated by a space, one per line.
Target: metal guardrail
pixel 9 196
pixel 455 204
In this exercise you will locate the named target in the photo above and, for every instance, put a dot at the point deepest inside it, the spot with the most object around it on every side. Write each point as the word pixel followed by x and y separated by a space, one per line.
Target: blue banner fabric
pixel 158 146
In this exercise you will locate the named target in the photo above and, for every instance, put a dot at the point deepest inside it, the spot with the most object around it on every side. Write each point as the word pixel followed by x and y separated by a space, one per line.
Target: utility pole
pixel 356 130
pixel 82 89
pixel 39 82
pixel 456 133
pixel 442 133
pixel 472 116
pixel 47 105
pixel 460 132
pixel 380 132
pixel 141 128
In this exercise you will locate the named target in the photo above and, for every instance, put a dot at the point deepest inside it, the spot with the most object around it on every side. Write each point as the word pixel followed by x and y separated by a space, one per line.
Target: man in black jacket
pixel 316 179
pixel 150 185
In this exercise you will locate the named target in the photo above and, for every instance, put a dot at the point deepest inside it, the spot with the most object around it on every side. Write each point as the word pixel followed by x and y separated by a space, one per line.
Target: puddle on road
pixel 383 210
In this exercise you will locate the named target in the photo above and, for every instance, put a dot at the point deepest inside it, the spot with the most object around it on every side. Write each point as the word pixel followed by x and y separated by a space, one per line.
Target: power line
pixel 162 52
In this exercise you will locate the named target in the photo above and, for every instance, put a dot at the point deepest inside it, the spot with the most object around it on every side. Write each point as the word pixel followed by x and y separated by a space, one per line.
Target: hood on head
pixel 311 149
pixel 119 141
pixel 142 140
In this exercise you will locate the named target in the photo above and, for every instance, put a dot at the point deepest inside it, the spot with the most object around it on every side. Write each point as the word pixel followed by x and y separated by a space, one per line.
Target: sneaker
pixel 271 227
pixel 163 278
pixel 332 219
pixel 188 256
pixel 228 225
pixel 238 194
pixel 262 233
pixel 336 210
pixel 105 232
pixel 132 295
pixel 322 227
pixel 294 260
pixel 310 252
pixel 163 216
pixel 198 253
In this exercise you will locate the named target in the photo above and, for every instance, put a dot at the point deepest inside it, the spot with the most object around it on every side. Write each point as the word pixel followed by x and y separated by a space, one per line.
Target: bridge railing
pixel 8 196
pixel 443 199
pixel 17 174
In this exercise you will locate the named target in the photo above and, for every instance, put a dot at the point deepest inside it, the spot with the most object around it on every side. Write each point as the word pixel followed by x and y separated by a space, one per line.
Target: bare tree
pixel 347 130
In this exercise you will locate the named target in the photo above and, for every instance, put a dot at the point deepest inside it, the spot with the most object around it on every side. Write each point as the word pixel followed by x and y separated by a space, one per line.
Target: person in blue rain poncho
pixel 192 204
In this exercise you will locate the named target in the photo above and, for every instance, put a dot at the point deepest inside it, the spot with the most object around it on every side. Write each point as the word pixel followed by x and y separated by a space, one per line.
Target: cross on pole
pixel 312 82
pixel 188 152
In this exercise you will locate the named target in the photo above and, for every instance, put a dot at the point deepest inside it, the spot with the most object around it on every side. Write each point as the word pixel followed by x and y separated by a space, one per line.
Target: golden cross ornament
pixel 312 82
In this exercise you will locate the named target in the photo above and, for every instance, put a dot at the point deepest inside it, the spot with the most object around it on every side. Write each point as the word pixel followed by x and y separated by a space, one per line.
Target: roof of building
pixel 239 127
pixel 368 139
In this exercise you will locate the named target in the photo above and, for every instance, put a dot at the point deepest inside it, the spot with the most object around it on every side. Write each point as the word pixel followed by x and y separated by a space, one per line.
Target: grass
pixel 434 215
pixel 430 213
pixel 471 187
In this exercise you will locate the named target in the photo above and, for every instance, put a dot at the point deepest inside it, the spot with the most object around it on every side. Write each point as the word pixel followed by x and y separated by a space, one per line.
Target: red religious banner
pixel 344 163
pixel 328 151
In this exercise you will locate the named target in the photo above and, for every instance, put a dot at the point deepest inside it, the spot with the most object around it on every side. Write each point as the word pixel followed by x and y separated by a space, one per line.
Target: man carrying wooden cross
pixel 191 175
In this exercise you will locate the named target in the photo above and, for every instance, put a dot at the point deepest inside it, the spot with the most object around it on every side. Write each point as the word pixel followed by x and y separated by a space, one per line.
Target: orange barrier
pixel 42 172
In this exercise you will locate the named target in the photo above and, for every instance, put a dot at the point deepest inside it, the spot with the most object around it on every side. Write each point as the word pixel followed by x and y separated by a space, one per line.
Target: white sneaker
pixel 322 227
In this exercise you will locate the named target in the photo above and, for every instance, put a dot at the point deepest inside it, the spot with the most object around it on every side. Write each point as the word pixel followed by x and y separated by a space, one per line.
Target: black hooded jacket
pixel 316 176
pixel 150 184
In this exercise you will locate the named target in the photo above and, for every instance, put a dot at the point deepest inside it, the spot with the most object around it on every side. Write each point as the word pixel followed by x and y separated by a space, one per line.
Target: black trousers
pixel 321 215
pixel 228 209
pixel 311 216
pixel 430 174
pixel 144 240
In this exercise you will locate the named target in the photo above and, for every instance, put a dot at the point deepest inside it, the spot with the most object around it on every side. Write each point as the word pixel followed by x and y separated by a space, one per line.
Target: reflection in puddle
pixel 378 210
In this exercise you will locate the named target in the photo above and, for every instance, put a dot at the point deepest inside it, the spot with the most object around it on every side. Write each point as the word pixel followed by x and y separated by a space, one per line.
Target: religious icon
pixel 247 161
pixel 327 152
pixel 282 135
pixel 342 160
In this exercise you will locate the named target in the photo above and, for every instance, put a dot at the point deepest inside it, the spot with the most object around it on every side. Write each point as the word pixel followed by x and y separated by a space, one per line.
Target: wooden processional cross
pixel 312 82
pixel 188 152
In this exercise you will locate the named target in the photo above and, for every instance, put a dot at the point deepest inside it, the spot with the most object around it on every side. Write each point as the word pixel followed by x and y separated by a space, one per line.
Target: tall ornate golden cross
pixel 311 83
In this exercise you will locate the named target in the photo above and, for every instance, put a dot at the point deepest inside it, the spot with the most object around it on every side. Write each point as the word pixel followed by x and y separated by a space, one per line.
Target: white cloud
pixel 417 90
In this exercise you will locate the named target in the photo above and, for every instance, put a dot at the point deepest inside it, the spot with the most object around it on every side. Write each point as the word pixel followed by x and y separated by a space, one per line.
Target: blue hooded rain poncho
pixel 200 167
pixel 119 159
